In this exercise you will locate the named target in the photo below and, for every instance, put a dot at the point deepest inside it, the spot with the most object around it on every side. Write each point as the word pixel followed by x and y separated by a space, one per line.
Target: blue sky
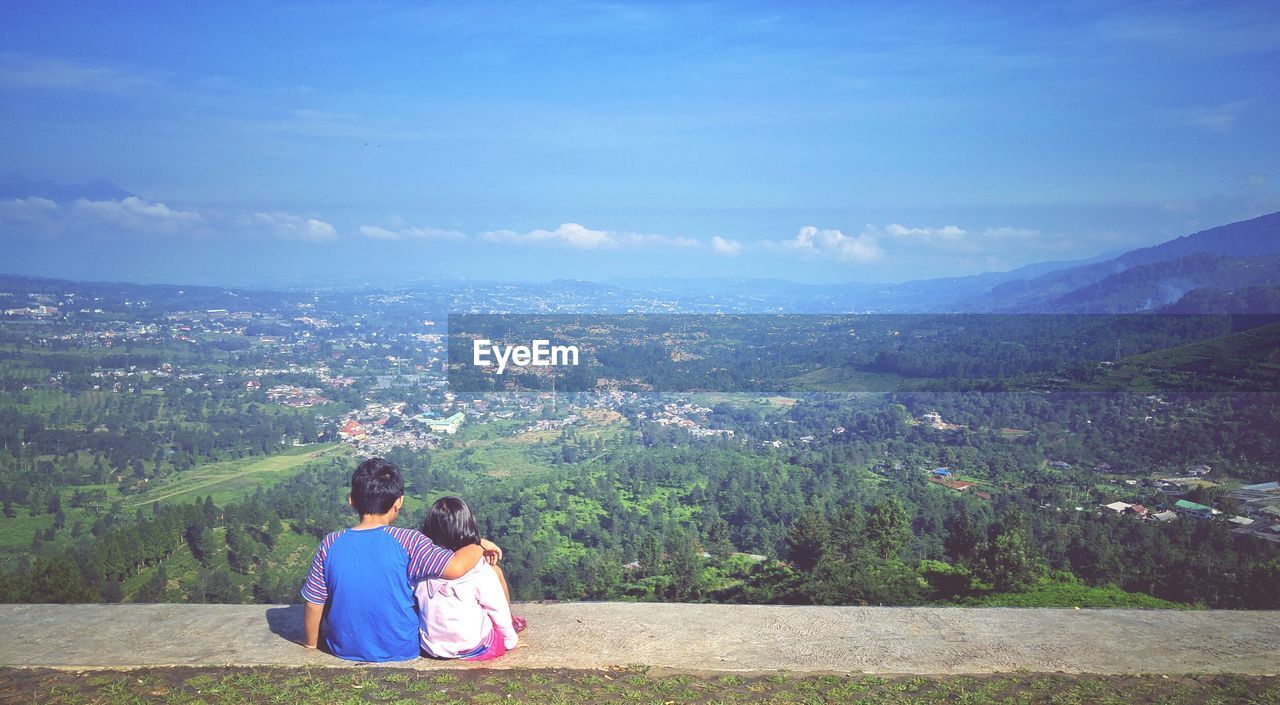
pixel 815 142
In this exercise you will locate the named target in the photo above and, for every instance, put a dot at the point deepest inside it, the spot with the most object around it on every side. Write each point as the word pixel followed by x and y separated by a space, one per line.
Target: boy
pixel 361 579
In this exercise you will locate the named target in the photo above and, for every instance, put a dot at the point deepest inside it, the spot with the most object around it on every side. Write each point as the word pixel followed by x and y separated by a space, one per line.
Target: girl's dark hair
pixel 450 524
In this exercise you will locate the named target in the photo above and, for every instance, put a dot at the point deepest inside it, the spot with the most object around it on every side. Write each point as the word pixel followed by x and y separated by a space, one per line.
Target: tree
pixel 242 550
pixel 650 558
pixel 946 581
pixel 847 531
pixel 808 540
pixel 718 541
pixel 202 543
pixel 718 532
pixel 1012 561
pixel 274 529
pixel 219 589
pixel 685 566
pixel 602 576
pixel 59 581
pixel 210 511
pixel 112 591
pixel 154 589
pixel 888 528
pixel 964 539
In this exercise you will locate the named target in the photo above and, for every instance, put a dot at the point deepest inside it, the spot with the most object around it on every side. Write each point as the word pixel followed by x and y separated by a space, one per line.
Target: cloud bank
pixel 133 216
pixel 725 247
pixel 288 226
pixel 580 237
pixel 42 217
pixel 26 71
pixel 812 242
pixel 399 232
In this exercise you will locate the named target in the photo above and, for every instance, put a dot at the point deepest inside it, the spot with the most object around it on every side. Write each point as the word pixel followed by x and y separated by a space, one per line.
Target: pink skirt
pixel 493 647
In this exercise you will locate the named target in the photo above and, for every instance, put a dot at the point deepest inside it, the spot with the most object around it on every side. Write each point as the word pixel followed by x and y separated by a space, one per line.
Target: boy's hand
pixel 492 553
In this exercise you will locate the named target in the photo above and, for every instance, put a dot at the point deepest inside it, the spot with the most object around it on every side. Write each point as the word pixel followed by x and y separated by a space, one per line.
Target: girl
pixel 469 617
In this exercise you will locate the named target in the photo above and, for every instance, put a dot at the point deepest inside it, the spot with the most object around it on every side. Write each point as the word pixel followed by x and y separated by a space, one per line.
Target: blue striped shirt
pixel 366 577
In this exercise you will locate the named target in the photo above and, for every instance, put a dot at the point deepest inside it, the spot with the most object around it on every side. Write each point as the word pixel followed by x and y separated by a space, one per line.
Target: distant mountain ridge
pixel 1150 286
pixel 1240 255
pixel 1233 268
pixel 1226 256
pixel 96 190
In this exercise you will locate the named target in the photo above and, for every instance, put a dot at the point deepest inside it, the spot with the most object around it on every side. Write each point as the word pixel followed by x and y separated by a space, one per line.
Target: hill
pixel 1149 286
pixel 1248 300
pixel 1220 259
pixel 1213 258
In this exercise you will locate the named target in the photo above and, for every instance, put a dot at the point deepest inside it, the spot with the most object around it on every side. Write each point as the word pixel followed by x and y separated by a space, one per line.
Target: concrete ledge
pixel 686 637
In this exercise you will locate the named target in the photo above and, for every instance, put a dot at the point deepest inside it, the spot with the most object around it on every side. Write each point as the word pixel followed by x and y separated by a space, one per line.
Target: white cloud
pixel 288 226
pixel 953 237
pixel 901 241
pixel 658 240
pixel 376 233
pixel 137 215
pixel 37 204
pixel 813 242
pixel 1213 118
pixel 571 234
pixel 29 208
pixel 33 215
pixel 409 233
pixel 947 233
pixel 24 71
pixel 725 247
pixel 134 207
pixel 583 238
pixel 39 216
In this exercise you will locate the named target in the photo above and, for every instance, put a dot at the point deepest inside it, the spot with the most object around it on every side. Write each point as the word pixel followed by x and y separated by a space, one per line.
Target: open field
pixel 227 481
pixel 633 684
pixel 230 480
pixel 845 379
pixel 16 532
pixel 757 402
pixel 505 449
pixel 291 554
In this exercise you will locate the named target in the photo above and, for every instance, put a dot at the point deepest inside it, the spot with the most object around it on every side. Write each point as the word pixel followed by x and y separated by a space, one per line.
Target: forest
pixel 143 456
pixel 649 513
pixel 871 352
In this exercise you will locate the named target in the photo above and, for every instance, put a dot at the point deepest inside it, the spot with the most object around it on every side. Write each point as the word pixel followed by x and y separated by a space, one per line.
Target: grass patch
pixel 1066 593
pixel 304 686
pixel 232 479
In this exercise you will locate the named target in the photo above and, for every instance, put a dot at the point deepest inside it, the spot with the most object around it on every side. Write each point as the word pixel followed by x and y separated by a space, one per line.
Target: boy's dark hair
pixel 450 524
pixel 375 486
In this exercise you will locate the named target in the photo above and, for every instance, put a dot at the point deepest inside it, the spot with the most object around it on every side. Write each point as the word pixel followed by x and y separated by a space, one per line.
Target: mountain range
pixel 1222 259
pixel 1233 268
pixel 98 190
